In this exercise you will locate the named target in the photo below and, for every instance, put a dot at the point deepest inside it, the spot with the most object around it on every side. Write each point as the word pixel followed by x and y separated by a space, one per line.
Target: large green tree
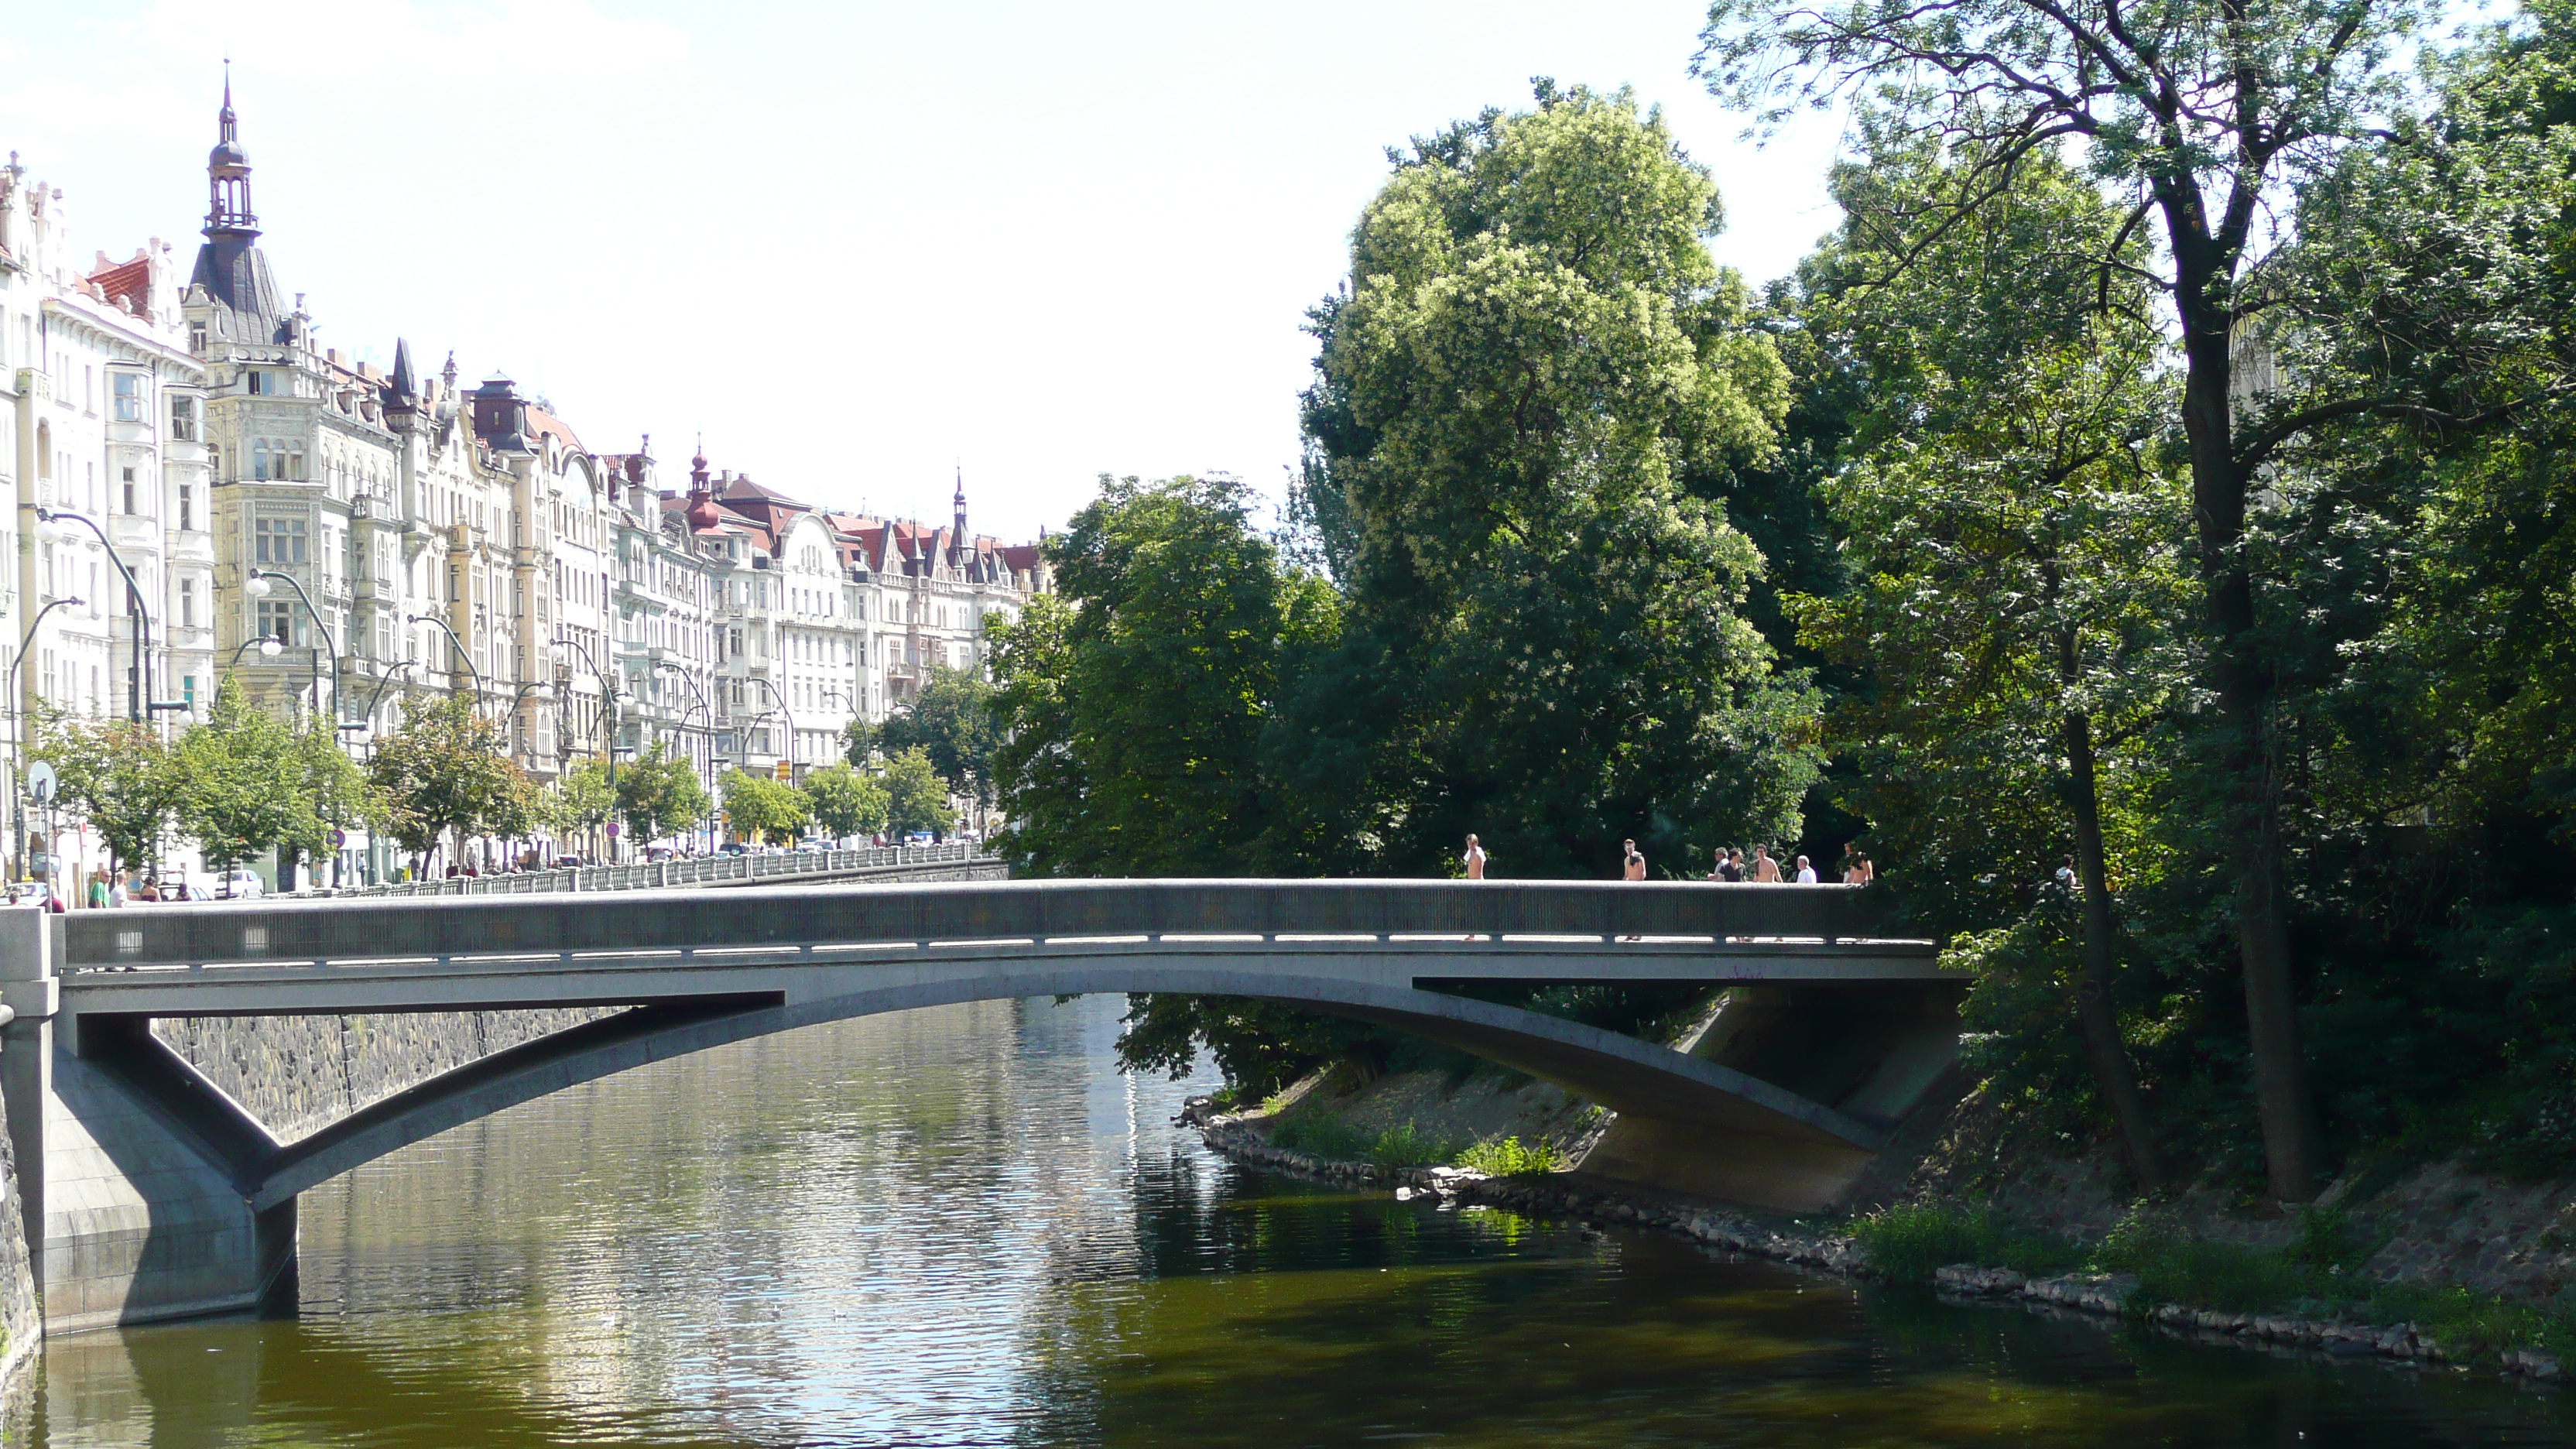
pixel 1134 702
pixel 951 719
pixel 2013 528
pixel 1544 640
pixel 2203 120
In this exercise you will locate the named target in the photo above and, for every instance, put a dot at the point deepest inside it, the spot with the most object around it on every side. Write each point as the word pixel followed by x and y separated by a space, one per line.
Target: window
pixel 129 396
pixel 183 419
pixel 279 540
pixel 259 461
pixel 187 507
pixel 255 382
pixel 129 491
pixel 197 337
pixel 294 462
pixel 188 690
pixel 278 620
pixel 187 603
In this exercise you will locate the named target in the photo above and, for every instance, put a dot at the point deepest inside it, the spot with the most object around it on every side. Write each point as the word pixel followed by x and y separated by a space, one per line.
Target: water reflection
pixel 962 1226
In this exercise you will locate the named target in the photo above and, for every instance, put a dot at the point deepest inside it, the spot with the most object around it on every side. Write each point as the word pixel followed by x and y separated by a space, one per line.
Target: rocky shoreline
pixel 2101 1295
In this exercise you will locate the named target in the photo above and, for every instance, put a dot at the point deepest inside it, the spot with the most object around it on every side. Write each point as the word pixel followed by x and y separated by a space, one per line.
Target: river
pixel 963 1226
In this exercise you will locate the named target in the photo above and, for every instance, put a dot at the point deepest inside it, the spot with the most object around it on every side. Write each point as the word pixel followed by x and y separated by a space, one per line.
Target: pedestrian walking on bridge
pixel 1474 859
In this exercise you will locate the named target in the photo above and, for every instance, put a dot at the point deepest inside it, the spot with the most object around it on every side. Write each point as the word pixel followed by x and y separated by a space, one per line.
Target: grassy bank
pixel 2313 1278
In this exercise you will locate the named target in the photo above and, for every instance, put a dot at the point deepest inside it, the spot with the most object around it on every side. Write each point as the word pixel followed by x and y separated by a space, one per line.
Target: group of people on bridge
pixel 1731 867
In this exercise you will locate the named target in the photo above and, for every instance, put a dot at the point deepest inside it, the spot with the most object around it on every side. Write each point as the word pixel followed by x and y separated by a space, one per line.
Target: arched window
pixel 295 461
pixel 259 461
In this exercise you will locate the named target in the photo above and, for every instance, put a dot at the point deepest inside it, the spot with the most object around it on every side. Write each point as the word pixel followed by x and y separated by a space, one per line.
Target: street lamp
pixel 607 688
pixel 268 648
pixel 781 701
pixel 461 653
pixel 138 675
pixel 260 587
pixel 18 716
pixel 708 708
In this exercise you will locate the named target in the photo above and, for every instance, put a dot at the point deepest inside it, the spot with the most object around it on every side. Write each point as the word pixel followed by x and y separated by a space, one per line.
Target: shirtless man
pixel 1475 859
pixel 1636 867
pixel 1764 869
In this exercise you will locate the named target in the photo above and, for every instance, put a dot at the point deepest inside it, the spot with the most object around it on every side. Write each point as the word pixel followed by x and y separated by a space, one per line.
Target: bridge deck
pixel 339 956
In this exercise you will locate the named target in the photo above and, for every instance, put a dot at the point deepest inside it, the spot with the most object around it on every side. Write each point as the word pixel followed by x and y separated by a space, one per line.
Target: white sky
pixel 855 244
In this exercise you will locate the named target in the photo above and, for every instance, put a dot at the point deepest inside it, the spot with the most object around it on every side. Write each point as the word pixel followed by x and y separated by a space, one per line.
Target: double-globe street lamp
pixel 708 708
pixel 609 716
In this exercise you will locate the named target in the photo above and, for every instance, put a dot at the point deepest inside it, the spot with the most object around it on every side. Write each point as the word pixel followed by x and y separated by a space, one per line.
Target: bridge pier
pixel 125 1213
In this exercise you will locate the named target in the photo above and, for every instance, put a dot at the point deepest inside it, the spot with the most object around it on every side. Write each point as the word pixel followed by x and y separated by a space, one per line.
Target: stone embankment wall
pixel 297 1074
pixel 20 1327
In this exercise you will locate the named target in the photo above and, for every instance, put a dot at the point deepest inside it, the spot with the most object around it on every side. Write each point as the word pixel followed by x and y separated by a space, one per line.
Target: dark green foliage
pixel 1910 1244
pixel 951 721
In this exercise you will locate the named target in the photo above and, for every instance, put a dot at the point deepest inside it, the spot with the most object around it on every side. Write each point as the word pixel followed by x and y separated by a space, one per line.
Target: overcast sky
pixel 857 245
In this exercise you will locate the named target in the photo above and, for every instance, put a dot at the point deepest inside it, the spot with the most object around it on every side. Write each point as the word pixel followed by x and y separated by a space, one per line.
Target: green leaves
pixel 658 794
pixel 759 807
pixel 845 802
pixel 1535 350
pixel 446 770
pixel 951 719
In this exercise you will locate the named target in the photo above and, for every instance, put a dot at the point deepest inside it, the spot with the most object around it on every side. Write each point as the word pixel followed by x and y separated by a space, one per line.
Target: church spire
pixel 228 173
pixel 960 504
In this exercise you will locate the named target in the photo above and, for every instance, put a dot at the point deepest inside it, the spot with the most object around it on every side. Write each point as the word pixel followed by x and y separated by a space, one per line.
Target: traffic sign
pixel 786 771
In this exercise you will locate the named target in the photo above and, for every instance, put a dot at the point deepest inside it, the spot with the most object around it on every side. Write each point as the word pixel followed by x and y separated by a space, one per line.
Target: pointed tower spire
pixel 228 209
pixel 960 505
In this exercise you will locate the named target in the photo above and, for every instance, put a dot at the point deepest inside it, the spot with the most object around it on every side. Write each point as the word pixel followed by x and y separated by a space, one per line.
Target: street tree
pixel 951 719
pixel 331 793
pixel 242 767
pixel 916 796
pixel 658 794
pixel 119 777
pixel 579 801
pixel 846 802
pixel 444 778
pixel 761 808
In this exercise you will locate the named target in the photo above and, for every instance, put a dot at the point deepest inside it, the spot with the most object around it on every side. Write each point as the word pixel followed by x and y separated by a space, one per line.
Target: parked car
pixel 653 853
pixel 240 884
pixel 734 847
pixel 918 837
pixel 567 862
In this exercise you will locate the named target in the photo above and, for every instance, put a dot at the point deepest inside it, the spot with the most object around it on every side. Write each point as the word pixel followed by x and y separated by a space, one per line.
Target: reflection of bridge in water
pixel 150 1193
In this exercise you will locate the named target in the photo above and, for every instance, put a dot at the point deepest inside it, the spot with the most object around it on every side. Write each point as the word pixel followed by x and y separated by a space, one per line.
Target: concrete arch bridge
pixel 148 1192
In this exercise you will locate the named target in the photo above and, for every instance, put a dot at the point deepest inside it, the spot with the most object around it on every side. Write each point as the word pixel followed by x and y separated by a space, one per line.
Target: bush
pixel 1508 1157
pixel 1321 1134
pixel 1910 1244
pixel 1405 1147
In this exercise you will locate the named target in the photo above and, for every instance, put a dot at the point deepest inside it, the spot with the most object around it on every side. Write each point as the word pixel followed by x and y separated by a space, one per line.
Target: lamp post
pixel 377 700
pixel 708 708
pixel 608 689
pixel 138 673
pixel 17 714
pixel 268 649
pixel 781 701
pixel 459 646
pixel 259 588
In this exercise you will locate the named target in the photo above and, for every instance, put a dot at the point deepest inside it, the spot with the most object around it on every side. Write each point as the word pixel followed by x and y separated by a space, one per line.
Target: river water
pixel 964 1227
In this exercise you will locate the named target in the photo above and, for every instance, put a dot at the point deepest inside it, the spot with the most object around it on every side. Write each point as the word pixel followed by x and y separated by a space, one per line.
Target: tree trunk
pixel 2292 1145
pixel 2112 1071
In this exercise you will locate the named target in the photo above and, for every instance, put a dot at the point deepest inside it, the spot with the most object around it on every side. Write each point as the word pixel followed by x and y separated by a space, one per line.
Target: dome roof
pixel 227 153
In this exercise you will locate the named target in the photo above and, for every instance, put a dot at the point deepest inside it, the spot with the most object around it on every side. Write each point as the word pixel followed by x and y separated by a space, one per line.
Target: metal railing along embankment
pixel 683 871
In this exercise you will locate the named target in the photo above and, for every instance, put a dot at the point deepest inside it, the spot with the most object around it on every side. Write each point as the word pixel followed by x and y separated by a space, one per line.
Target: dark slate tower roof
pixel 230 266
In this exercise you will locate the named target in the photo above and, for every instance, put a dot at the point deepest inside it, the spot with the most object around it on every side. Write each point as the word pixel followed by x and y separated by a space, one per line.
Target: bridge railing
pixel 828 917
pixel 681 871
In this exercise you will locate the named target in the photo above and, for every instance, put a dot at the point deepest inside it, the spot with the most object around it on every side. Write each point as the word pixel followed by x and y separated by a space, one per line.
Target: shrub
pixel 1910 1244
pixel 1406 1147
pixel 1508 1157
pixel 1321 1134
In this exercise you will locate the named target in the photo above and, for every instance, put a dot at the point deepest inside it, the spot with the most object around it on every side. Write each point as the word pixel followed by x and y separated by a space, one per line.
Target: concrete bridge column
pixel 28 1002
pixel 129 1208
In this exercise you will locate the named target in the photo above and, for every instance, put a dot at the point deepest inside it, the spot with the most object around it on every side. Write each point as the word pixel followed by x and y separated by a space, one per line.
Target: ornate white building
pixel 345 539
